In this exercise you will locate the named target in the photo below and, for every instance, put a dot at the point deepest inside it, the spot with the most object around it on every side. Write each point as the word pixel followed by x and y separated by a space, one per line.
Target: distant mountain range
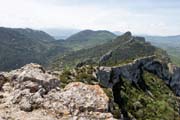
pixel 21 46
pixel 88 39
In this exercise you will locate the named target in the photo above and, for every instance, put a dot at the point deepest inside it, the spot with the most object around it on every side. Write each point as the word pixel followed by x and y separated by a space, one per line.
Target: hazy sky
pixel 155 17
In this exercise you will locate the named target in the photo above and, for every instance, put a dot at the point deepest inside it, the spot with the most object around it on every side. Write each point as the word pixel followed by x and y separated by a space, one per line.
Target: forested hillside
pixel 21 46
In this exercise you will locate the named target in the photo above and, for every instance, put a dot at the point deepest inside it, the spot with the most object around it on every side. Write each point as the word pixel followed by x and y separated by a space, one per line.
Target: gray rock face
pixel 112 77
pixel 31 93
pixel 104 76
pixel 174 82
pixel 109 76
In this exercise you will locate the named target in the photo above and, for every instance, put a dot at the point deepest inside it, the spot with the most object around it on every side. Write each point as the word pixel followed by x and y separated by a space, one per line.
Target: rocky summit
pixel 31 93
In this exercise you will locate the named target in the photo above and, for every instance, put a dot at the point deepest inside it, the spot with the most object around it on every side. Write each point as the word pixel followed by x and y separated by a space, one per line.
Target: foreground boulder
pixel 78 99
pixel 31 93
pixel 33 77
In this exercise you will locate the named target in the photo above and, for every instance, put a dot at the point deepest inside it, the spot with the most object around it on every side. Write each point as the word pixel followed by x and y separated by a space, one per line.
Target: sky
pixel 152 17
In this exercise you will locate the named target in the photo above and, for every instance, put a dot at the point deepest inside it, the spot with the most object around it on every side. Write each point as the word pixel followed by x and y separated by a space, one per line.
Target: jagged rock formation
pixel 31 93
pixel 112 77
pixel 108 76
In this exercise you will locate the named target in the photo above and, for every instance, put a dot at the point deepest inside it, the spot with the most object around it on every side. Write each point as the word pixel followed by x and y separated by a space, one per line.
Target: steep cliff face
pixel 143 80
pixel 108 76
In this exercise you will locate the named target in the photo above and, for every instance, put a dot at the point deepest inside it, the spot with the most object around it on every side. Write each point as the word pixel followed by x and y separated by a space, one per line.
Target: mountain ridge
pixel 123 48
pixel 124 78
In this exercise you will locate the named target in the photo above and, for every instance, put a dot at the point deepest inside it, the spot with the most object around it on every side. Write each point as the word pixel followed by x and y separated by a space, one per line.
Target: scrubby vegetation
pixel 160 103
pixel 83 74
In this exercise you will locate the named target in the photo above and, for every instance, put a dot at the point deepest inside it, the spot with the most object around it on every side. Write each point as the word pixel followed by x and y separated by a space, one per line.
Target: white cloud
pixel 55 14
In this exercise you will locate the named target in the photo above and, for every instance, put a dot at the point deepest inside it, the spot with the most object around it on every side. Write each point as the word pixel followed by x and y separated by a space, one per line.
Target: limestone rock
pixel 31 93
pixel 78 99
pixel 33 77
pixel 108 76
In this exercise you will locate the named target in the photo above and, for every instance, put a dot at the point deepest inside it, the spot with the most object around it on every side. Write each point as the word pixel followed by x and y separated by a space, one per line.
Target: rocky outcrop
pixel 33 77
pixel 111 77
pixel 31 93
pixel 78 99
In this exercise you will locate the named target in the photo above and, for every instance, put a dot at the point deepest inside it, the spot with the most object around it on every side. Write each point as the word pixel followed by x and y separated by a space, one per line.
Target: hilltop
pixel 88 38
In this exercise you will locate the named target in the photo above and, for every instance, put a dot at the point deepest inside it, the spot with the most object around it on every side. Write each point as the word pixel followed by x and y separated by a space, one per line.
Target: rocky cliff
pixel 137 75
pixel 109 76
pixel 31 93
